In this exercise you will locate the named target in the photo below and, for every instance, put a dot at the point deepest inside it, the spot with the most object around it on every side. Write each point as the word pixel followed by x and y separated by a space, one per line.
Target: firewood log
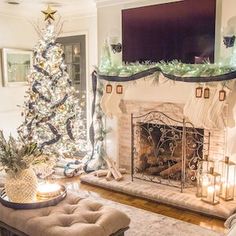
pixel 155 170
pixel 108 176
pixel 171 171
pixel 102 173
pixel 115 172
pixel 152 160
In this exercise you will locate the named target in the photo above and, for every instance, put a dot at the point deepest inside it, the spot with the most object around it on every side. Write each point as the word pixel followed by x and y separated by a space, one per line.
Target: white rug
pixel 144 223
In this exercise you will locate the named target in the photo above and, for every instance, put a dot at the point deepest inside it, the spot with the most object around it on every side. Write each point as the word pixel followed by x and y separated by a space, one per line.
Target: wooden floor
pixel 191 217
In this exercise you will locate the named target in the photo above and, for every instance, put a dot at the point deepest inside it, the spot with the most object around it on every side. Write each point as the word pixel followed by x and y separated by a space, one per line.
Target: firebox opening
pixel 162 148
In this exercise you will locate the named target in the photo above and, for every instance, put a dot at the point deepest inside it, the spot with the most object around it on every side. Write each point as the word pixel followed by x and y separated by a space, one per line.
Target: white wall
pixel 15 33
pixel 20 33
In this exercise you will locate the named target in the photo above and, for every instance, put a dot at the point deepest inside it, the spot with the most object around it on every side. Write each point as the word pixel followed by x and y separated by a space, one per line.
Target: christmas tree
pixel 53 116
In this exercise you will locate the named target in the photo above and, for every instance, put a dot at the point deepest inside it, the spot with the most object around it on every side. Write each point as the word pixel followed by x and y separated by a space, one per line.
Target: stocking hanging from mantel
pixel 207 112
pixel 111 99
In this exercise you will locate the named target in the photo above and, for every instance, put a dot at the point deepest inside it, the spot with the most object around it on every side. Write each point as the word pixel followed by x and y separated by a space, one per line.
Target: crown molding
pixel 107 3
pixel 131 3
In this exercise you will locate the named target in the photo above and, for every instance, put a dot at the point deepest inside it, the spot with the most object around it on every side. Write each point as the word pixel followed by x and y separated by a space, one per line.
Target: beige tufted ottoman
pixel 73 216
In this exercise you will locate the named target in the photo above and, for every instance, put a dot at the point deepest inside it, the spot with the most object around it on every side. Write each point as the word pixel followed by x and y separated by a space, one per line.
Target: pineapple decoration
pixel 15 158
pixel 53 117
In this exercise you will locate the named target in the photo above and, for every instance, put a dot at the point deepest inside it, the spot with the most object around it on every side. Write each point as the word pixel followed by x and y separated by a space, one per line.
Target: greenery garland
pixel 174 67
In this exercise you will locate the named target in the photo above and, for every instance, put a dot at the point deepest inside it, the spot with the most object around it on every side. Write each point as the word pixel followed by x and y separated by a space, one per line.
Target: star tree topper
pixel 49 13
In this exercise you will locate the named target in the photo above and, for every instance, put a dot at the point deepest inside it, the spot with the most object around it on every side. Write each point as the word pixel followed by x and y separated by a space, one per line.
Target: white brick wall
pixel 175 111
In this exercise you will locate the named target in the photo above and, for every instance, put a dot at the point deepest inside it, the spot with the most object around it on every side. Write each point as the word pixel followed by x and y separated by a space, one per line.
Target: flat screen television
pixel 183 30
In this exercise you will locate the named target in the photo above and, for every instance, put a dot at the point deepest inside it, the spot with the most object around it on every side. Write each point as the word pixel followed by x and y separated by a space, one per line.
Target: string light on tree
pixel 52 113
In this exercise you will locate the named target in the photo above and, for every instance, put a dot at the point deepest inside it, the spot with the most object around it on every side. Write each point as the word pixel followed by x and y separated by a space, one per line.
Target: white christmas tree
pixel 53 116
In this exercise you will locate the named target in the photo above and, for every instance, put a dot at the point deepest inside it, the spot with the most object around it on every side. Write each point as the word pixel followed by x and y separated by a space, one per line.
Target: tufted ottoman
pixel 73 216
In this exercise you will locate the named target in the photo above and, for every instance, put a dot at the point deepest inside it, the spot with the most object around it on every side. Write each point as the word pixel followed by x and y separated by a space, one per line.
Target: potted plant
pixel 16 159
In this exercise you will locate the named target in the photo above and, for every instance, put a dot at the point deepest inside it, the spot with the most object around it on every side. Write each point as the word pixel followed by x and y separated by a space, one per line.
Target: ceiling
pixel 32 8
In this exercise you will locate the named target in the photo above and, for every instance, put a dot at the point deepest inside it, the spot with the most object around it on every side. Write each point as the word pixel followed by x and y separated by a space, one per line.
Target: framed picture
pixel 16 66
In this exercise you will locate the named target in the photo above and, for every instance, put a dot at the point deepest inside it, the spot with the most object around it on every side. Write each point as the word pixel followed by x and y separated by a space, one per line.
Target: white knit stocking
pixel 113 105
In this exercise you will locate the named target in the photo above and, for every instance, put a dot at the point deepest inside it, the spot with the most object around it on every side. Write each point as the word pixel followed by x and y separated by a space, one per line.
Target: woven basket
pixel 21 187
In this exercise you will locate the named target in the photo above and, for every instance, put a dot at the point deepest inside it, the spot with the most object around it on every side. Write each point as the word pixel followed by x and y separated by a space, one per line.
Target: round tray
pixel 38 203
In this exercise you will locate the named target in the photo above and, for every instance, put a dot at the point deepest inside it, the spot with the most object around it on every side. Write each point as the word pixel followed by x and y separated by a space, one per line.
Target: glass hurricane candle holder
pixel 211 191
pixel 227 171
pixel 204 166
pixel 48 190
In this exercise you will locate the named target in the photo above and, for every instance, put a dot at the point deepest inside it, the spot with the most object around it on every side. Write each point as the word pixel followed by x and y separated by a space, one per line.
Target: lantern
pixel 222 95
pixel 204 166
pixel 211 190
pixel 198 92
pixel 108 88
pixel 207 93
pixel 119 89
pixel 227 169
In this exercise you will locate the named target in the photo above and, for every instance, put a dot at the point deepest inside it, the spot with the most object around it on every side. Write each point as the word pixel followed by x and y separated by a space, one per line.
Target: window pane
pixel 76 53
pixel 68 53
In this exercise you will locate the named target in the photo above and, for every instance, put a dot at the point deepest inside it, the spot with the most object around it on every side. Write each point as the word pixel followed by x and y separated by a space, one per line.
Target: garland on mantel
pixel 174 70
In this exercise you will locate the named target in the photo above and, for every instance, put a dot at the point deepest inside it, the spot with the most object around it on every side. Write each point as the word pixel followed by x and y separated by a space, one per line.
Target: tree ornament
pixel 49 14
pixel 206 93
pixel 198 92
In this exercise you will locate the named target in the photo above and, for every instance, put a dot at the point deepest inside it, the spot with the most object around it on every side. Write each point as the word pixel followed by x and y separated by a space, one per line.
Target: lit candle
pixel 210 194
pixel 48 190
pixel 227 190
pixel 205 183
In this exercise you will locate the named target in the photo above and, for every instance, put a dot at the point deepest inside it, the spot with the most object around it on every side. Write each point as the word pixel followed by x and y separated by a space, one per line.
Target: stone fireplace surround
pixel 173 110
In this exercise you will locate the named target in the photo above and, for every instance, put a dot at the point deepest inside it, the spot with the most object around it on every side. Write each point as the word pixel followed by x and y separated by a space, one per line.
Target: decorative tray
pixel 38 203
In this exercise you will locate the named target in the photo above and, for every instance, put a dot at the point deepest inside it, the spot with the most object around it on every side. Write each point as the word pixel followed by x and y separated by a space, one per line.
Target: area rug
pixel 145 223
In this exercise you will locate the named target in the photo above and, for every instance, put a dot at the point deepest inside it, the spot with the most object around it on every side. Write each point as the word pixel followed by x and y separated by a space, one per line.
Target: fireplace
pixel 128 142
pixel 166 150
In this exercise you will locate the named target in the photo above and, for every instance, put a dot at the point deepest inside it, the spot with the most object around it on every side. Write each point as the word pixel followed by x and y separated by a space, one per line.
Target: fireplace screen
pixel 165 150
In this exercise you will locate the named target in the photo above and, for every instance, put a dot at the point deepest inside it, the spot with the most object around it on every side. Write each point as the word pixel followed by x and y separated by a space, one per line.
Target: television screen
pixel 183 30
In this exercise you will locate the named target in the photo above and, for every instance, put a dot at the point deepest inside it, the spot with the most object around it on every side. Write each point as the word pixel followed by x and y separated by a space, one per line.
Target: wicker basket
pixel 22 186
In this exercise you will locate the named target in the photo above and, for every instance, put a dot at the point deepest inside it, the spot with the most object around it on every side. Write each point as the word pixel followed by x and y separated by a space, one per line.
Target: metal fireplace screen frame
pixel 173 136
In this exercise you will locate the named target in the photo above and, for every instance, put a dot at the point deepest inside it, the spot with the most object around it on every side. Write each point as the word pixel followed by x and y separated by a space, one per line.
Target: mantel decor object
pixel 222 95
pixel 211 190
pixel 108 88
pixel 227 169
pixel 198 92
pixel 206 93
pixel 229 41
pixel 119 89
pixel 116 48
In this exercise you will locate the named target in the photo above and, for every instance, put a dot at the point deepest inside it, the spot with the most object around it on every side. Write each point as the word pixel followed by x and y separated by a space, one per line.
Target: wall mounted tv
pixel 178 30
